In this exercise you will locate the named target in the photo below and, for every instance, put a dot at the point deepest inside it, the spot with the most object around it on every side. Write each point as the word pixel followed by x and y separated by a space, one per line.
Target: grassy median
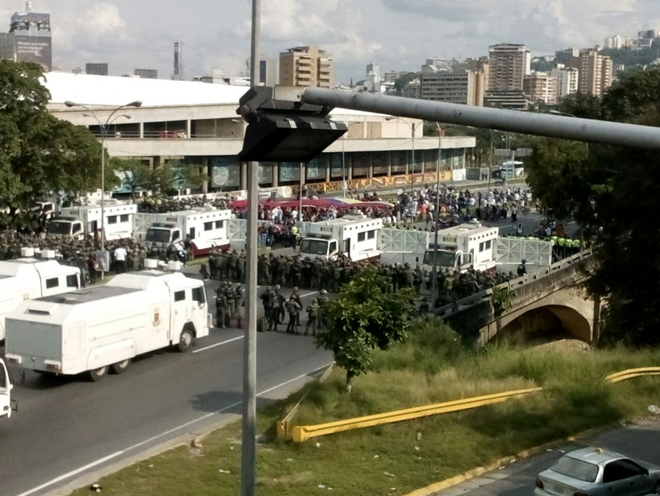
pixel 432 366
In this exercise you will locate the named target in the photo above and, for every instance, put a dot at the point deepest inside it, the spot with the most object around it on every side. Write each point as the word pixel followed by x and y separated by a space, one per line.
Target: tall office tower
pixel 306 66
pixel 32 37
pixel 508 65
pixel 596 73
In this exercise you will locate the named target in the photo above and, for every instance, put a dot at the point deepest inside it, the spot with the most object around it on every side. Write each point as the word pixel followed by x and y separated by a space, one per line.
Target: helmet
pixel 314 300
pixel 295 289
pixel 524 261
pixel 277 288
pixel 323 291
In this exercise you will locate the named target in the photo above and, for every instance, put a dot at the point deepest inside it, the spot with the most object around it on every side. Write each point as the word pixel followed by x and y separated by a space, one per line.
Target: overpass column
pixel 141 130
pixel 205 173
pixel 189 128
pixel 243 168
pixel 276 174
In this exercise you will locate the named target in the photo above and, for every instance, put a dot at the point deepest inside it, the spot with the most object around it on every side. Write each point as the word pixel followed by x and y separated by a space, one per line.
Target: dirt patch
pixel 564 345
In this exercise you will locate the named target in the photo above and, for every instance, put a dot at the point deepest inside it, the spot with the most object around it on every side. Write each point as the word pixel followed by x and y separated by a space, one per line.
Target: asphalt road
pixel 639 441
pixel 66 426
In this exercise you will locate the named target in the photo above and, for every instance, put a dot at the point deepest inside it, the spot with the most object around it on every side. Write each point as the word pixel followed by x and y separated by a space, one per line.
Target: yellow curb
pixel 476 472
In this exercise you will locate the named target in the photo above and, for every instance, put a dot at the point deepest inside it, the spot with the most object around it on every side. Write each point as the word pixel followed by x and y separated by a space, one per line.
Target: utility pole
pixel 436 218
pixel 249 448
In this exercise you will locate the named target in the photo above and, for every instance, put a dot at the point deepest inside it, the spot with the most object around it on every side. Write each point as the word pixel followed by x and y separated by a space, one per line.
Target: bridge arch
pixel 544 320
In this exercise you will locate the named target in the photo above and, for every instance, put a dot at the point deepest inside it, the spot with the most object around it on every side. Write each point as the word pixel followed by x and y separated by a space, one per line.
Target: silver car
pixel 596 472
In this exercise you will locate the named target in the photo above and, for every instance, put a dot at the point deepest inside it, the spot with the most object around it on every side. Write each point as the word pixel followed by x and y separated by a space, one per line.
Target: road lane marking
pixel 218 344
pixel 161 435
pixel 308 294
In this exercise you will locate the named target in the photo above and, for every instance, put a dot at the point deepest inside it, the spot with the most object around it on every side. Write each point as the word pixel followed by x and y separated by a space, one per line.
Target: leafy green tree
pixel 363 318
pixel 612 193
pixel 39 154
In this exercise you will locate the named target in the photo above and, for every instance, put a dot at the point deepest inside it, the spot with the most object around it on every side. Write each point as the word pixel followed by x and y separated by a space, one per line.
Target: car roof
pixel 595 456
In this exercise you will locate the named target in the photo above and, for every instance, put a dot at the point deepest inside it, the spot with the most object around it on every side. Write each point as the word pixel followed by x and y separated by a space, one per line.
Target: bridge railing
pixel 514 284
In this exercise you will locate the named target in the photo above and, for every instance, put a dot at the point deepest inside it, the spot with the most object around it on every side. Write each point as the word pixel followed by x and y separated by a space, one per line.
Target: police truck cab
pixel 355 237
pixel 464 247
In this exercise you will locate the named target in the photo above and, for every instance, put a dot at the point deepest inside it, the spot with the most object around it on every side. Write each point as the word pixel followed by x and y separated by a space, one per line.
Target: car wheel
pixel 98 374
pixel 121 367
pixel 185 341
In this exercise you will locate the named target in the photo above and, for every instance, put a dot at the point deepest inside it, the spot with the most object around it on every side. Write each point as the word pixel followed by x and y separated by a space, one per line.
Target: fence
pixel 306 432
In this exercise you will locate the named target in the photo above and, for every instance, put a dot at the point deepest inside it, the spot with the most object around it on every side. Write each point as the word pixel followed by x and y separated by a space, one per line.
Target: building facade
pixel 31 33
pixel 462 86
pixel 188 124
pixel 96 68
pixel 617 42
pixel 567 80
pixel 146 73
pixel 508 65
pixel 541 87
pixel 269 72
pixel 7 46
pixel 596 73
pixel 307 66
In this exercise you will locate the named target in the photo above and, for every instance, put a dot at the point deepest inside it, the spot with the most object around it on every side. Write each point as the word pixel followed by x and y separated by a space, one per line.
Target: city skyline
pixel 396 34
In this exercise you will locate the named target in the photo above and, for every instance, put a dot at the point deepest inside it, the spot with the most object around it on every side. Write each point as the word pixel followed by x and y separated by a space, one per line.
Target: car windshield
pixel 61 228
pixel 576 469
pixel 443 258
pixel 158 235
pixel 314 247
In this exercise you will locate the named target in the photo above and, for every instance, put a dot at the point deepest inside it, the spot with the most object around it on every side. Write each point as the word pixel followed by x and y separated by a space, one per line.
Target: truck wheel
pixel 185 341
pixel 121 367
pixel 98 374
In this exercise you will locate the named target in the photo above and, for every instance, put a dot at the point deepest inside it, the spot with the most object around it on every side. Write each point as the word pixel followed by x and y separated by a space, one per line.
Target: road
pixel 638 441
pixel 66 426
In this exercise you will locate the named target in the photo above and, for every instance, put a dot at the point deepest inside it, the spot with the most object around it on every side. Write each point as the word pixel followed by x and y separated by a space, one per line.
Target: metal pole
pixel 434 282
pixel 553 126
pixel 492 159
pixel 103 136
pixel 300 215
pixel 249 448
pixel 343 166
pixel 413 160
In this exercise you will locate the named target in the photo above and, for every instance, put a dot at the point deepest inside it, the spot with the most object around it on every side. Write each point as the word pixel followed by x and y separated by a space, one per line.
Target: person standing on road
pixel 220 309
pixel 522 268
pixel 267 304
pixel 293 307
pixel 313 312
pixel 120 259
pixel 275 309
pixel 323 302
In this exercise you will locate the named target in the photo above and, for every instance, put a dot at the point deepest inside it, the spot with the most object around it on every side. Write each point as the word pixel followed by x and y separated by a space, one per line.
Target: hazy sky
pixel 396 34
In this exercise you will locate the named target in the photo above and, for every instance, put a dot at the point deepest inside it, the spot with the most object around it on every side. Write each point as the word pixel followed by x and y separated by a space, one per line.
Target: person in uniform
pixel 220 308
pixel 293 308
pixel 522 268
pixel 313 312
pixel 323 302
pixel 275 309
pixel 267 304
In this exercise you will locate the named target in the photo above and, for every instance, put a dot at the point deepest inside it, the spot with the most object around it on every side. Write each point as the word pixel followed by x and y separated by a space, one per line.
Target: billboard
pixel 225 172
pixel 37 49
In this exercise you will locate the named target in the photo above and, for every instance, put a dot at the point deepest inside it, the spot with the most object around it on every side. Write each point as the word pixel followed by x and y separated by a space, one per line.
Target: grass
pixel 395 459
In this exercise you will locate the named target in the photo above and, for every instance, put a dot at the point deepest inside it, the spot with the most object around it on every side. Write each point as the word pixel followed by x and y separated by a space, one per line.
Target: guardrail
pixel 512 285
pixel 302 433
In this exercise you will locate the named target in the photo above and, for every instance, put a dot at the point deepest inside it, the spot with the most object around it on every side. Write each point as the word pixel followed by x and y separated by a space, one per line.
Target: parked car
pixel 596 472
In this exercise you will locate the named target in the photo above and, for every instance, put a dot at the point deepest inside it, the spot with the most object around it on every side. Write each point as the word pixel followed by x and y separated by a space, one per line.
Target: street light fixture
pixel 104 136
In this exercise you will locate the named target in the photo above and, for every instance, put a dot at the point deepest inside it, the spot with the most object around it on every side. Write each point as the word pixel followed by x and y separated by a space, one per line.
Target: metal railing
pixel 303 433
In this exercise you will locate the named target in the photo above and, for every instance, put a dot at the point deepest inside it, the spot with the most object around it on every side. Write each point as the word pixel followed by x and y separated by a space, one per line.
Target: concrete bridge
pixel 550 301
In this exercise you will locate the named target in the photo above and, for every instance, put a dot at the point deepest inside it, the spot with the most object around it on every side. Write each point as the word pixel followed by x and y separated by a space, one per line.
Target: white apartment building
pixel 567 80
pixel 617 42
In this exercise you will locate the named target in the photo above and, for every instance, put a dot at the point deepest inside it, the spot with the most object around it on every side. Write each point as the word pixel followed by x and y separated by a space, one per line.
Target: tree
pixel 39 154
pixel 363 318
pixel 612 193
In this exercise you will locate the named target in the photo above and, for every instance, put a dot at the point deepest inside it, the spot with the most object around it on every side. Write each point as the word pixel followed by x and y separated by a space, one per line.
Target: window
pixel 198 295
pixel 52 283
pixel 123 218
pixel 176 235
pixel 72 281
pixel 208 226
pixel 333 247
pixel 112 219
pixel 576 469
pixel 179 296
pixel 481 247
pixel 489 244
pixel 219 224
pixel 371 234
pixel 361 236
pixel 620 470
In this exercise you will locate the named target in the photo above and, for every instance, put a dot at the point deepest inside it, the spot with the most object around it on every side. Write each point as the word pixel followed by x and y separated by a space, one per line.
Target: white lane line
pixel 163 434
pixel 308 294
pixel 218 344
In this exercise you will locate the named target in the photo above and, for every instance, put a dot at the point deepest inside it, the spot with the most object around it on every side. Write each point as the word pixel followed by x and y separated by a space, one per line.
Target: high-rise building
pixel 97 69
pixel 567 80
pixel 7 46
pixel 617 42
pixel 460 86
pixel 508 65
pixel 269 71
pixel 480 65
pixel 375 70
pixel 146 73
pixel 32 37
pixel 391 76
pixel 541 87
pixel 307 66
pixel 178 61
pixel 648 34
pixel 596 73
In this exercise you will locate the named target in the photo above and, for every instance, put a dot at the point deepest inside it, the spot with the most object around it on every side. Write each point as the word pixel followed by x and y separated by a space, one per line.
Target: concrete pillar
pixel 327 170
pixel 205 172
pixel 189 128
pixel 244 169
pixel 303 174
pixel 157 162
pixel 276 174
pixel 141 130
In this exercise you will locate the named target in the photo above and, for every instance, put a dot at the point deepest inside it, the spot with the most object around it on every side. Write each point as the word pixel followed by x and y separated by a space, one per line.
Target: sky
pixel 395 34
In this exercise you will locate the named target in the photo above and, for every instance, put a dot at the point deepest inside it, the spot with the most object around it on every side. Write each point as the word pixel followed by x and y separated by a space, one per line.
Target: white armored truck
pixel 464 247
pixel 101 329
pixel 29 278
pixel 356 237
pixel 6 403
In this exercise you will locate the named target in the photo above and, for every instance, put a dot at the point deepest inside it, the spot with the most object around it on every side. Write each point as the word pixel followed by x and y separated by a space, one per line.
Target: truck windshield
pixel 158 235
pixel 314 247
pixel 444 258
pixel 58 227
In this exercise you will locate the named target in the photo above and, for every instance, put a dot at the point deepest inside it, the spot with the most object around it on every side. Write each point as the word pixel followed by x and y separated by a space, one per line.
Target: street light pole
pixel 434 282
pixel 249 448
pixel 413 160
pixel 104 135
